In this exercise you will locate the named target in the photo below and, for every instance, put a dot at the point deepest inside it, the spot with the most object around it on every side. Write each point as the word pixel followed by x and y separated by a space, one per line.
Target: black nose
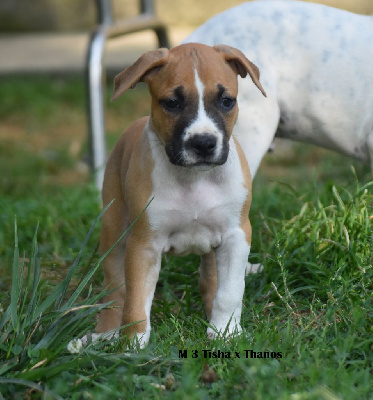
pixel 202 145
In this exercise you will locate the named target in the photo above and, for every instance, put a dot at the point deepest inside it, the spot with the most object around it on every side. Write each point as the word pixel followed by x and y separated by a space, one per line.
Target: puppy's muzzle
pixel 202 145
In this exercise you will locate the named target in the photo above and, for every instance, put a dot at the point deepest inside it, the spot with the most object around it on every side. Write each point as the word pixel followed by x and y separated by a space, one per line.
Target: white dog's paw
pixel 253 268
pixel 94 337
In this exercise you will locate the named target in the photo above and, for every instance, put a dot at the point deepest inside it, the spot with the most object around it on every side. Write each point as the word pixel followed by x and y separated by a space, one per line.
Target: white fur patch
pixel 203 124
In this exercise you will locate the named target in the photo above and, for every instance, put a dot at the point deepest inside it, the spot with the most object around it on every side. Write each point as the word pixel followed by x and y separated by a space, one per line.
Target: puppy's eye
pixel 171 104
pixel 227 103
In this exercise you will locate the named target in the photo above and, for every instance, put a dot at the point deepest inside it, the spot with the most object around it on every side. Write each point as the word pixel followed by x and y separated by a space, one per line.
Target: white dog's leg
pixel 370 149
pixel 257 120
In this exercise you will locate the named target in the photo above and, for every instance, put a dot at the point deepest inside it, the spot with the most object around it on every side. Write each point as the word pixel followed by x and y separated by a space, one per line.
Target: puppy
pixel 184 160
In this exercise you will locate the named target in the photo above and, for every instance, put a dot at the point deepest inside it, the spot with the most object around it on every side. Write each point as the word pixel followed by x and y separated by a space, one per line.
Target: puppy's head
pixel 194 90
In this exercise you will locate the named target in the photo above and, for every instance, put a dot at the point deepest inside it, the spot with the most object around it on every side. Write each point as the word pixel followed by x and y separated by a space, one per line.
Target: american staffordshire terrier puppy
pixel 186 160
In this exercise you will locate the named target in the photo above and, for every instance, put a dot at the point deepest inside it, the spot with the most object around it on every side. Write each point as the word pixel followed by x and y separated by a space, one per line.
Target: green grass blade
pixel 366 186
pixel 8 365
pixel 34 271
pixel 82 285
pixel 15 290
pixel 338 198
pixel 4 320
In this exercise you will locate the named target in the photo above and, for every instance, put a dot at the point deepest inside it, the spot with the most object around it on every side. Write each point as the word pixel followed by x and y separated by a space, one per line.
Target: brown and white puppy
pixel 184 158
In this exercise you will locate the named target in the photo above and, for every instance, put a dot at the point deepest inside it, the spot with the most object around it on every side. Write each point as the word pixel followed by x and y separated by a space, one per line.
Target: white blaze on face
pixel 203 124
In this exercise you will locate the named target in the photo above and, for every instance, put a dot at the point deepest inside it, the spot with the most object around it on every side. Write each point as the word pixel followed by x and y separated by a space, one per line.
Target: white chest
pixel 193 208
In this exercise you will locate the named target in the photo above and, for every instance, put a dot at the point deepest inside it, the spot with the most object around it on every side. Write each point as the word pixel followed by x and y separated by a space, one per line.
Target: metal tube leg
pixel 96 105
pixel 162 37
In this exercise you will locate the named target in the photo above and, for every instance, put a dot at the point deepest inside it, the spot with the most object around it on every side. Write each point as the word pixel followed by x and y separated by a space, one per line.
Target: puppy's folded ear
pixel 240 64
pixel 147 63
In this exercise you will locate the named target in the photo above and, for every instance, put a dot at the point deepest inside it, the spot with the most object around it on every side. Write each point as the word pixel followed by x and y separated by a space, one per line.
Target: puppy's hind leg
pixel 208 281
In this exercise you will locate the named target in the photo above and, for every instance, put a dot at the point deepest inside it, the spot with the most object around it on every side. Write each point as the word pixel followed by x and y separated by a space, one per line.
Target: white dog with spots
pixel 316 66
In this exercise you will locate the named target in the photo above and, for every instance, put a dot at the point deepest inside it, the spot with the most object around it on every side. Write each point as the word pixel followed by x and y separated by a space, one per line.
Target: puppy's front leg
pixel 142 265
pixel 113 266
pixel 231 259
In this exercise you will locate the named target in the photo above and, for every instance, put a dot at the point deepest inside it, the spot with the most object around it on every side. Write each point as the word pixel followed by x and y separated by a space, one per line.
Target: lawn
pixel 307 317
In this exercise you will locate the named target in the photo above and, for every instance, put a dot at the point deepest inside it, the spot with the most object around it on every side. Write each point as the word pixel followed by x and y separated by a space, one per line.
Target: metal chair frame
pixel 106 29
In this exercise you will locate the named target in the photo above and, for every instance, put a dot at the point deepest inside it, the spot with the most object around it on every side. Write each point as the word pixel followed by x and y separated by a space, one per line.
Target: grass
pixel 312 223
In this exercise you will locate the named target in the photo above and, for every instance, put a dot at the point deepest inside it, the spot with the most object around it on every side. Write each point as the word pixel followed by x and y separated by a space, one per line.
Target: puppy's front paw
pixel 227 332
pixel 142 339
pixel 95 337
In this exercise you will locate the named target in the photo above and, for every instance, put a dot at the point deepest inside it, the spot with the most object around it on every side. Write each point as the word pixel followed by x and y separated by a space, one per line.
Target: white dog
pixel 316 66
